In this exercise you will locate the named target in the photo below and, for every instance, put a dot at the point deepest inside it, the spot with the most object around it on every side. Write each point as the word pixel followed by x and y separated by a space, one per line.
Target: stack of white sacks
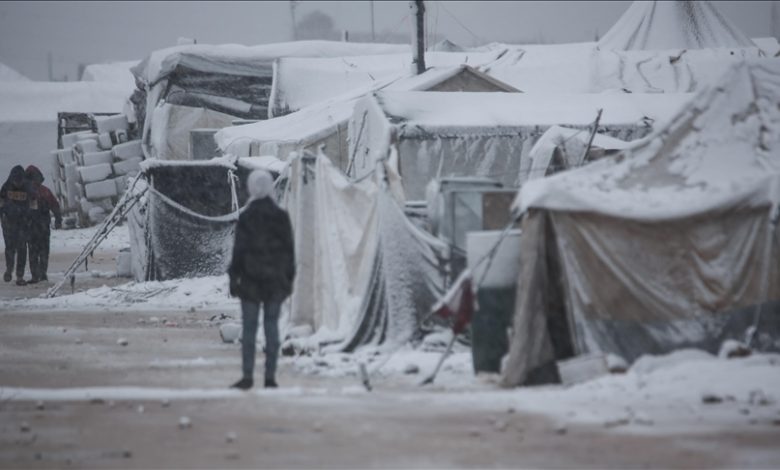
pixel 91 172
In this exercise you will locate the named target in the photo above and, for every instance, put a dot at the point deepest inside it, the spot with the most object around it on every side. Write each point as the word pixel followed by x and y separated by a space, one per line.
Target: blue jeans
pixel 249 313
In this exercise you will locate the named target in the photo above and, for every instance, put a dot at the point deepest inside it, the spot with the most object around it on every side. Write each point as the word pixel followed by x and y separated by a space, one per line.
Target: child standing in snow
pixel 261 272
pixel 17 199
pixel 40 224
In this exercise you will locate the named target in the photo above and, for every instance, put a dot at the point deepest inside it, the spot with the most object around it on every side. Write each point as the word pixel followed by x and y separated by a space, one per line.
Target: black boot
pixel 21 282
pixel 7 276
pixel 271 383
pixel 243 384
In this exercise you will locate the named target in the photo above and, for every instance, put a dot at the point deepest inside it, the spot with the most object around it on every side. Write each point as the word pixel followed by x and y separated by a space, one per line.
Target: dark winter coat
pixel 47 203
pixel 263 264
pixel 17 198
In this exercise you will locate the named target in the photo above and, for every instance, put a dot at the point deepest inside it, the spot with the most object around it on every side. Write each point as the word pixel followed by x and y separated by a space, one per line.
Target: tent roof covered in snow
pixel 485 134
pixel 113 72
pixel 669 244
pixel 303 81
pixel 245 60
pixel 444 113
pixel 41 101
pixel 678 24
pixel 317 121
pixel 7 74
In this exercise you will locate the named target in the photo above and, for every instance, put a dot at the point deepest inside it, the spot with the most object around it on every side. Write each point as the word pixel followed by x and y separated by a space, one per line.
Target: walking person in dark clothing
pixel 17 199
pixel 40 225
pixel 261 272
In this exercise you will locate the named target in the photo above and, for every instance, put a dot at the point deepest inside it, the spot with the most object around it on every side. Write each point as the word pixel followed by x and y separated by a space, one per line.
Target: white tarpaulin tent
pixel 300 82
pixel 326 123
pixel 669 244
pixel 218 84
pixel 365 273
pixel 485 134
pixel 677 24
pixel 666 46
pixel 112 72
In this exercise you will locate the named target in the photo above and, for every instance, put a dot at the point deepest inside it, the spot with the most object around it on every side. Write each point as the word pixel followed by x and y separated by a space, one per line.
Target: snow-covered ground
pixel 655 393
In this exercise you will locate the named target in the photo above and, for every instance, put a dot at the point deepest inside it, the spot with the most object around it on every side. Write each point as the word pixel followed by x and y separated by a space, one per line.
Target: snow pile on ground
pixel 75 240
pixel 198 293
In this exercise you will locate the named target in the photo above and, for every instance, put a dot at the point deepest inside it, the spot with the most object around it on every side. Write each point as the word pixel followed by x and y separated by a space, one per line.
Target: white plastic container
pixel 96 158
pixel 128 150
pixel 93 173
pixel 125 167
pixel 100 189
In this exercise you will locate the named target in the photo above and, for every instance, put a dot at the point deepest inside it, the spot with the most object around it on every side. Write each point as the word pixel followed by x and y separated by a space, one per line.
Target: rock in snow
pixel 185 422
pixel 122 342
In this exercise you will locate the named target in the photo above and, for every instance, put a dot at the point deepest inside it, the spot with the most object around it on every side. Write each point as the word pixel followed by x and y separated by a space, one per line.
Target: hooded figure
pixel 261 272
pixel 40 224
pixel 17 199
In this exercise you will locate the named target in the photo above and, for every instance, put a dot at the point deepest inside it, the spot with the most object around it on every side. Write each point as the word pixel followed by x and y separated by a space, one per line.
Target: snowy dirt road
pixel 72 396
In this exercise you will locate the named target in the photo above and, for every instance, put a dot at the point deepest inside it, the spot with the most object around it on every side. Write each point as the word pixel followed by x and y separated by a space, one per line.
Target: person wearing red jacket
pixel 40 224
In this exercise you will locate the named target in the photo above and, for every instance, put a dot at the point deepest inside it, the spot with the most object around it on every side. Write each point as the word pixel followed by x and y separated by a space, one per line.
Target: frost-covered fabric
pixel 669 244
pixel 171 124
pixel 485 134
pixel 678 24
pixel 365 273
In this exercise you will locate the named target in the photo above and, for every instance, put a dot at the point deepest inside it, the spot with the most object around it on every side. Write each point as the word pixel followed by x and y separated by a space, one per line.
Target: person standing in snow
pixel 261 272
pixel 40 224
pixel 17 199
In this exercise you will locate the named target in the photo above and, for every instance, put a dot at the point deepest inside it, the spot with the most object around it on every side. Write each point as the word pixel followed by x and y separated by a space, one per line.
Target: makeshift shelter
pixel 184 224
pixel 304 81
pixel 561 148
pixel 203 86
pixel 678 24
pixel 655 47
pixel 672 243
pixel 112 72
pixel 326 123
pixel 365 273
pixel 485 134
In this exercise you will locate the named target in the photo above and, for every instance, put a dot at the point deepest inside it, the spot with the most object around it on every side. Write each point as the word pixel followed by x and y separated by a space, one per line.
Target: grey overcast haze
pixel 93 32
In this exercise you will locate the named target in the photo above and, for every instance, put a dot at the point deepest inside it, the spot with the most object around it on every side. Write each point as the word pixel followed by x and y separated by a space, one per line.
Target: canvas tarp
pixel 670 244
pixel 184 225
pixel 170 134
pixel 678 24
pixel 485 134
pixel 366 274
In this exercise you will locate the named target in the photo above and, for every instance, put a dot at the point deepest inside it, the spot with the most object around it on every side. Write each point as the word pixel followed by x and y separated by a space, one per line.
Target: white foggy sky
pixel 92 32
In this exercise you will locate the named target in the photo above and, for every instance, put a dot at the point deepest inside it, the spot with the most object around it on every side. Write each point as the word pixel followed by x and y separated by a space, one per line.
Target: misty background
pixel 55 40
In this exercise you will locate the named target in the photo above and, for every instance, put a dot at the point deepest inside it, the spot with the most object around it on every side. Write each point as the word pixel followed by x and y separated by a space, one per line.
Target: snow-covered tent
pixel 366 274
pixel 672 243
pixel 677 24
pixel 204 86
pixel 561 148
pixel 485 134
pixel 184 224
pixel 656 47
pixel 112 72
pixel 28 117
pixel 7 74
pixel 326 123
pixel 300 82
